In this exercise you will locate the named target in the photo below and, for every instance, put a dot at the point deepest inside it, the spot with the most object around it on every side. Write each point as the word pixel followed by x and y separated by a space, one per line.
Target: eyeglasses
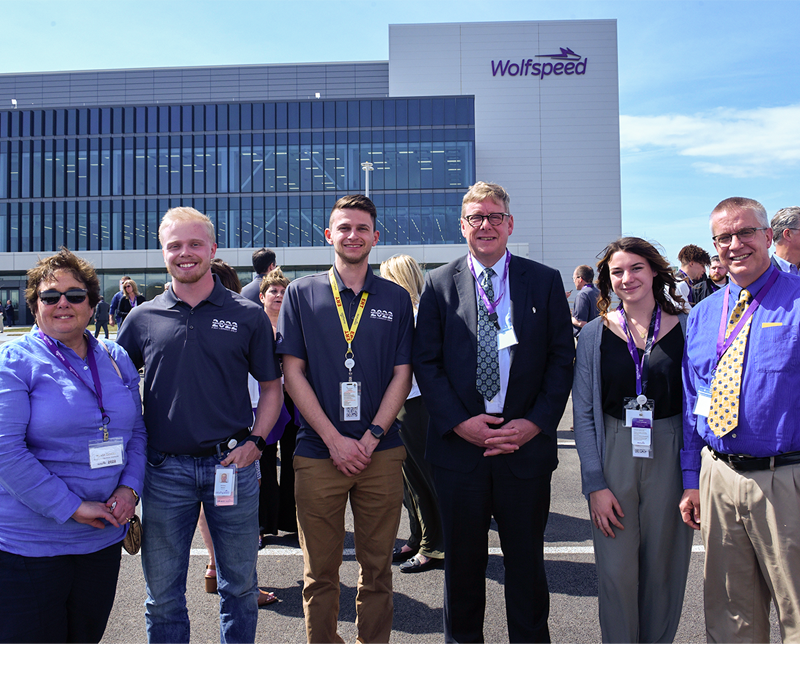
pixel 495 219
pixel 744 236
pixel 74 296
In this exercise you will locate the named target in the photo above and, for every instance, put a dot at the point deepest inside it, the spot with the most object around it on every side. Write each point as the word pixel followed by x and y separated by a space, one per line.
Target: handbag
pixel 133 539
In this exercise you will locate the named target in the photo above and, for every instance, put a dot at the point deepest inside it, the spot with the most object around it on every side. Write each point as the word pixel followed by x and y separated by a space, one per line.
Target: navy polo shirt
pixel 309 329
pixel 196 363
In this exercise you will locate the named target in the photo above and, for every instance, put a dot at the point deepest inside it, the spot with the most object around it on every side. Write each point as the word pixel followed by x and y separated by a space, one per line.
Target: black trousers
pixel 57 600
pixel 468 501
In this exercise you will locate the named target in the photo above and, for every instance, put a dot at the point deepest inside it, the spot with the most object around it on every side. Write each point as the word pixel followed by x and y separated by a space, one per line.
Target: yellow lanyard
pixel 349 331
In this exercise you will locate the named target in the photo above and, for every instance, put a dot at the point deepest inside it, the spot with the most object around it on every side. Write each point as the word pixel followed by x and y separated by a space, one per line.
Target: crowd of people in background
pixel 441 393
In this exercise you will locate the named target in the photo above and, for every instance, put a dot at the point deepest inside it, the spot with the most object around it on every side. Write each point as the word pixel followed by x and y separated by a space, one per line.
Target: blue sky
pixel 709 91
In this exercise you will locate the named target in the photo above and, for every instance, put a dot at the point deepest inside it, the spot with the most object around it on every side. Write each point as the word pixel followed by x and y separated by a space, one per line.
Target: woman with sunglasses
pixel 72 458
pixel 130 299
pixel 627 410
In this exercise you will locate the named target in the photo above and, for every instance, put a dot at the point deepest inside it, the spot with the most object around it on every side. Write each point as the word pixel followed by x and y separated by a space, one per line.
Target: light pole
pixel 367 166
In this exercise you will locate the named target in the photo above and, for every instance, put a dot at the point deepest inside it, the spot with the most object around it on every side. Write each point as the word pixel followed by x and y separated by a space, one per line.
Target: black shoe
pixel 414 565
pixel 400 555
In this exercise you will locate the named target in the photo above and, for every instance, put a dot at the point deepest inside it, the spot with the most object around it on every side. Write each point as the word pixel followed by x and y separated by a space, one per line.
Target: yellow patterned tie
pixel 723 416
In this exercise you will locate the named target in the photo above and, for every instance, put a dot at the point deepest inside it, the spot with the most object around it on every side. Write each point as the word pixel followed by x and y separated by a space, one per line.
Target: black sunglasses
pixel 74 296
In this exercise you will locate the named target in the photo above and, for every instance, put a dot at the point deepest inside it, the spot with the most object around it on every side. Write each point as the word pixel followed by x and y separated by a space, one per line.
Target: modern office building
pixel 92 159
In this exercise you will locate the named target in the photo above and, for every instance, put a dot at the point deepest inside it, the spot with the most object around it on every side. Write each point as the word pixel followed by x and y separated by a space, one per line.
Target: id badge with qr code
pixel 350 401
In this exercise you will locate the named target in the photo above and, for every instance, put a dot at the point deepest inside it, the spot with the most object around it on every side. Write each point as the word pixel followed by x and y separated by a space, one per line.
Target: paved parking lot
pixel 418 597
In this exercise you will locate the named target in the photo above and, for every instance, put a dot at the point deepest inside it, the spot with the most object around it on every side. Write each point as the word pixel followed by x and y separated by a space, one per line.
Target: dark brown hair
pixel 63 261
pixel 226 274
pixel 663 281
pixel 356 202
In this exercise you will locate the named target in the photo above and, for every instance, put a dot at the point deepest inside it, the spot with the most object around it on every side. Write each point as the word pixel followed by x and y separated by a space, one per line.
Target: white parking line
pixel 350 552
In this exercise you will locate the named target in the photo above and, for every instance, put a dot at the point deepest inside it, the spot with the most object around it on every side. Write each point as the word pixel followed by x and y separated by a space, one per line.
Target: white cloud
pixel 736 143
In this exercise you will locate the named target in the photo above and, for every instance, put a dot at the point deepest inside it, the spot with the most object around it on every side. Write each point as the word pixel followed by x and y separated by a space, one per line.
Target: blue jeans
pixel 174 487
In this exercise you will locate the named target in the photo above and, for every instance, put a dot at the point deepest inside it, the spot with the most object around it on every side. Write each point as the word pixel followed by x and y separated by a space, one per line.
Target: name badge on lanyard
pixel 350 390
pixel 639 410
pixel 506 337
pixel 702 406
pixel 108 451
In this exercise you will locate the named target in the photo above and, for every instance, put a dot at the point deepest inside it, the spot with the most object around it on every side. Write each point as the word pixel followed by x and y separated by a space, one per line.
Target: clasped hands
pixel 505 439
pixel 351 456
pixel 117 510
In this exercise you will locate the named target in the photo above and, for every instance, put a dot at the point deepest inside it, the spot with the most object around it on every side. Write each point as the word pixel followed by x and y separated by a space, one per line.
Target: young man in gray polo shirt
pixel 345 337
pixel 198 341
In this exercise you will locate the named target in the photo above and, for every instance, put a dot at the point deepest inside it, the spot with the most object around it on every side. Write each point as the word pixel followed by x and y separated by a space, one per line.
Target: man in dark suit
pixel 495 368
pixel 101 313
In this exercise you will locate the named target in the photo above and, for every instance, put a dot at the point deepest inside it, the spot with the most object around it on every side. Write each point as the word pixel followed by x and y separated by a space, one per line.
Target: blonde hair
pixel 404 271
pixel 186 214
pixel 480 191
pixel 274 277
pixel 133 286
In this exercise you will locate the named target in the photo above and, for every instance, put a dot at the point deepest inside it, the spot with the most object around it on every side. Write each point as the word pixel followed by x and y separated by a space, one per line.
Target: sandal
pixel 211 578
pixel 265 598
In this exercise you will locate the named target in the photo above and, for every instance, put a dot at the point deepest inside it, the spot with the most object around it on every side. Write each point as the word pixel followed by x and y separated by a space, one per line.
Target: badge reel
pixel 349 395
pixel 226 485
pixel 639 417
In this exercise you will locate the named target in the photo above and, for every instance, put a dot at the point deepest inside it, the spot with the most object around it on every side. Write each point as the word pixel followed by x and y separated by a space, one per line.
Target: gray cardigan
pixel 587 405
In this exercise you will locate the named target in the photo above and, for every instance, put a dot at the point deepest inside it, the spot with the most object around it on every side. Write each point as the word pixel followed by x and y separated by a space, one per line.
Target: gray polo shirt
pixel 309 328
pixel 196 363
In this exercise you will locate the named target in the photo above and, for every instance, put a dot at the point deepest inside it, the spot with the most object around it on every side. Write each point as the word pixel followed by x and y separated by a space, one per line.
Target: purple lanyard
pixel 491 307
pixel 98 390
pixel 641 364
pixel 723 345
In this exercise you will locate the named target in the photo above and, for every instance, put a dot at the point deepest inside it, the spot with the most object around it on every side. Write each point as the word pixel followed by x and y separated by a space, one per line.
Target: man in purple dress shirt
pixel 742 482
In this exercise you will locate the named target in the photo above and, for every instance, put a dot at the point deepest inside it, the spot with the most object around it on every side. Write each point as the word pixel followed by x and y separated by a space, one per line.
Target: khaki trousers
pixel 376 498
pixel 750 522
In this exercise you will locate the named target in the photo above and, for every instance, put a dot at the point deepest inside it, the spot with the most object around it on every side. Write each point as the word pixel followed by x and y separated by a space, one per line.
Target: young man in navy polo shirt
pixel 198 341
pixel 345 337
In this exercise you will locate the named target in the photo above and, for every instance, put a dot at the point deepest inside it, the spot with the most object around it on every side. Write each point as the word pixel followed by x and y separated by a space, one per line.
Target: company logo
pixel 221 325
pixel 566 63
pixel 380 314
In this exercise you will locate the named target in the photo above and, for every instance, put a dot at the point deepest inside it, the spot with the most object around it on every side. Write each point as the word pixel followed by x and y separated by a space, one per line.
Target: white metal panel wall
pixel 552 142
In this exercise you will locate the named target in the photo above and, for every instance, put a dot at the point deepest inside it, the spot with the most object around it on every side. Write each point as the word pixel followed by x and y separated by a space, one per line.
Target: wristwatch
pixel 258 441
pixel 376 431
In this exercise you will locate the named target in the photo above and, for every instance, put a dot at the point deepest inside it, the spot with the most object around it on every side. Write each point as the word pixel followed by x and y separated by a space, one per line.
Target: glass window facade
pixel 267 173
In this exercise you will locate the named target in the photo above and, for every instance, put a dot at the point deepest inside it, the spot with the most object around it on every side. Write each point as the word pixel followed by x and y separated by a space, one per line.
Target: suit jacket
pixel 540 376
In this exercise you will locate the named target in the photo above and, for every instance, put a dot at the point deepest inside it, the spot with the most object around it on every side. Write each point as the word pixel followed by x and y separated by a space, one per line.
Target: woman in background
pixel 642 547
pixel 130 299
pixel 424 548
pixel 277 510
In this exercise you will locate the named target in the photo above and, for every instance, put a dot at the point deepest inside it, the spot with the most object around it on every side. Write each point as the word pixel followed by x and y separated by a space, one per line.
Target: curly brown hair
pixel 63 260
pixel 664 289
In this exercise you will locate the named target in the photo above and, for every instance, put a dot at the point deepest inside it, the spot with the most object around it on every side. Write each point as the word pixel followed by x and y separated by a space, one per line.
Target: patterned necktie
pixel 488 376
pixel 723 415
